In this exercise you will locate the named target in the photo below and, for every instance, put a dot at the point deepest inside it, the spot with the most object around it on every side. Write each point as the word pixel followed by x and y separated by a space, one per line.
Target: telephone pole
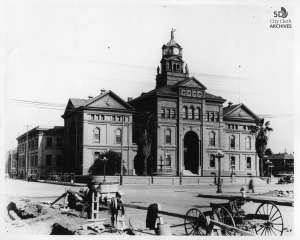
pixel 11 161
pixel 26 153
pixel 121 172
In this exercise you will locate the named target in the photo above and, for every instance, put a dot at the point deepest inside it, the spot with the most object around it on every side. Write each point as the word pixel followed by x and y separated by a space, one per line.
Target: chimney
pixel 229 104
pixel 102 91
pixel 90 97
pixel 129 99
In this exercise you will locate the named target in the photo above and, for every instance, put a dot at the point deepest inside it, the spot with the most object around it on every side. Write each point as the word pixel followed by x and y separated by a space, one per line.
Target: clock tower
pixel 171 70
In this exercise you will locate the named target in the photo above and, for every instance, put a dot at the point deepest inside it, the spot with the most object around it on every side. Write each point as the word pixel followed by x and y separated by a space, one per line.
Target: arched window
pixel 197 113
pixel 118 136
pixel 184 112
pixel 232 141
pixel 168 136
pixel 248 143
pixel 97 135
pixel 212 139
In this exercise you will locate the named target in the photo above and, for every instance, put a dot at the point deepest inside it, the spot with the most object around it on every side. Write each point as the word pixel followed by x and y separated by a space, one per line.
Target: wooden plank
pixel 229 228
pixel 202 221
pixel 58 199
pixel 288 203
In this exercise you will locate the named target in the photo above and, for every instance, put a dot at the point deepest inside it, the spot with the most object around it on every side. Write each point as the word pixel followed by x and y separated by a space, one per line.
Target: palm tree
pixel 145 127
pixel 261 132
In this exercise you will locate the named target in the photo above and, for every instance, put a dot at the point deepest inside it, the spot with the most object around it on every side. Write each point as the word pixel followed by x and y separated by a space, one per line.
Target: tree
pixel 268 152
pixel 145 127
pixel 113 165
pixel 261 133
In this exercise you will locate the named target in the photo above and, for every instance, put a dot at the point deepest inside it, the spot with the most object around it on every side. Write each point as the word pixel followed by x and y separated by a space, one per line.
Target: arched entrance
pixel 191 152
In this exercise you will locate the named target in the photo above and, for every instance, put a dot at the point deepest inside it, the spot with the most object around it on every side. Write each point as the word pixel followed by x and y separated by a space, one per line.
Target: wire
pixel 57 106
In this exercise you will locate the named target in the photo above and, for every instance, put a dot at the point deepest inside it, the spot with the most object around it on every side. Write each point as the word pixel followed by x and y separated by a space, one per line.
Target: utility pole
pixel 11 153
pixel 26 153
pixel 121 172
pixel 239 85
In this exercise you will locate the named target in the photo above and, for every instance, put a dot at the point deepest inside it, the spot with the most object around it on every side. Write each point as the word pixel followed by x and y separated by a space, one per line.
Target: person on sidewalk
pixel 251 186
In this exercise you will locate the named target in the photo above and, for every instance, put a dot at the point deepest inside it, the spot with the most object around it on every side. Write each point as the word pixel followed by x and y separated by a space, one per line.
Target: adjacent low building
pixel 44 151
pixel 282 163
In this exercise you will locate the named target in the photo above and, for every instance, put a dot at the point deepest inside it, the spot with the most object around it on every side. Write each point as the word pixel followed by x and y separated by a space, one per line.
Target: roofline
pixel 106 93
pixel 237 106
pixel 38 128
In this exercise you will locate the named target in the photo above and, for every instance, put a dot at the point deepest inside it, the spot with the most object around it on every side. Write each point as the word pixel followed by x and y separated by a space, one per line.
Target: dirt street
pixel 175 199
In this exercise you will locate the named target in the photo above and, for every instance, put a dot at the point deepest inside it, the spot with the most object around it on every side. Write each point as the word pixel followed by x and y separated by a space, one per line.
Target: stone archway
pixel 191 152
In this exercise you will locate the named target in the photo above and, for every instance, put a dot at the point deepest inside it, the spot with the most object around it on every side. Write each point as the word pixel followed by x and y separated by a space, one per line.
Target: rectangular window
pixel 173 113
pixel 236 126
pixel 212 116
pixel 232 162
pixel 59 142
pixel 93 116
pixel 102 117
pixel 36 142
pixel 168 113
pixel 49 160
pixel 207 113
pixel 163 112
pixel 49 142
pixel 245 127
pixel 114 118
pixel 212 162
pixel 249 162
pixel 36 160
pixel 168 161
pixel 58 160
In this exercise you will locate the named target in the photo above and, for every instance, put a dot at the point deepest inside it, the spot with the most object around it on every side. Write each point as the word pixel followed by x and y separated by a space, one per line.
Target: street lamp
pixel 232 167
pixel 104 160
pixel 219 155
pixel 270 165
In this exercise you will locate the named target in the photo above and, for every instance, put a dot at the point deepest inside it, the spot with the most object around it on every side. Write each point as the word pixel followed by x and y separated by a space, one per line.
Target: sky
pixel 72 49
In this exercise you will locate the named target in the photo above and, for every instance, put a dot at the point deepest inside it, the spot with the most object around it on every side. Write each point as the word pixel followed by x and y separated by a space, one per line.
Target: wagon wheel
pixel 225 217
pixel 272 227
pixel 196 226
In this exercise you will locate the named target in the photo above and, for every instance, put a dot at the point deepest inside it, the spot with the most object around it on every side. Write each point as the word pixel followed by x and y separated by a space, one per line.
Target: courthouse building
pixel 192 125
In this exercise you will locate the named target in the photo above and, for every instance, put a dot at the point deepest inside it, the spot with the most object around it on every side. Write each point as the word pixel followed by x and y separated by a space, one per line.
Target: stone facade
pixel 193 124
pixel 95 125
pixel 45 151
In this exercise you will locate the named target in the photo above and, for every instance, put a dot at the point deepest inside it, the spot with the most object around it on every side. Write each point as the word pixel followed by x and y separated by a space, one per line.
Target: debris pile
pixel 280 193
pixel 30 210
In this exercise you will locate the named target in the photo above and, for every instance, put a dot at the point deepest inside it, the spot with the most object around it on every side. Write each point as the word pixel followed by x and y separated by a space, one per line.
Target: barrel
pixel 164 229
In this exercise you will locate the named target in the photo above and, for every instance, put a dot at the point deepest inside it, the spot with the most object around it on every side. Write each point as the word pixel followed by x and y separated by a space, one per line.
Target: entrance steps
pixel 188 173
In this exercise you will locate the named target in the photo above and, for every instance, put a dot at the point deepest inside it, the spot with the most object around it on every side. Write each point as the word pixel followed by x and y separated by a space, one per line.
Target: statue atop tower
pixel 172 33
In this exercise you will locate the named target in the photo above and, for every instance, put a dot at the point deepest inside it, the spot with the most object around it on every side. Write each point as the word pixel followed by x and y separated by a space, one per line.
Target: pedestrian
pixel 89 198
pixel 251 186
